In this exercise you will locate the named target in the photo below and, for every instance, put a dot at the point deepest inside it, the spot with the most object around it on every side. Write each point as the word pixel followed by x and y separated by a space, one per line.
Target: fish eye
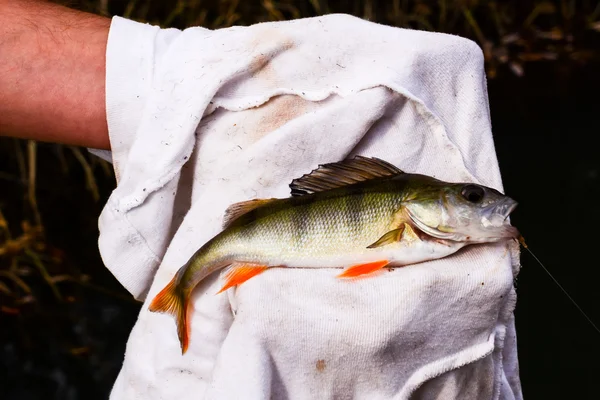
pixel 472 193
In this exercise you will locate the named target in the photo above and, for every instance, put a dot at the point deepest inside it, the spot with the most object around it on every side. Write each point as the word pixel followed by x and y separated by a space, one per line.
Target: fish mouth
pixel 502 212
pixel 505 209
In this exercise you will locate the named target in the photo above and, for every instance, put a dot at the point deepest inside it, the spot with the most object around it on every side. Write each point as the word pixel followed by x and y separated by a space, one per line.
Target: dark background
pixel 64 320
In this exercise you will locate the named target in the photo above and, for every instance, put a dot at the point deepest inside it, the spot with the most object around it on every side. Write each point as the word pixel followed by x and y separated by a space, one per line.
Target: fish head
pixel 464 212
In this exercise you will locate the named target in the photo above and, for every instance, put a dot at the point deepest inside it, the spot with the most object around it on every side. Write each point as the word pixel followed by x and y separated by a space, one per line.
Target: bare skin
pixel 52 73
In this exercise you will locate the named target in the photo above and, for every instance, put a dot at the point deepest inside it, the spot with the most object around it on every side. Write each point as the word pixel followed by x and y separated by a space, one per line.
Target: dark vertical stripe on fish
pixel 353 210
pixel 251 228
pixel 300 219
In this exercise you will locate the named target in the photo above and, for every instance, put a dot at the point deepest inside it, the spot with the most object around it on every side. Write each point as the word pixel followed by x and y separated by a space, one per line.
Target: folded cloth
pixel 200 119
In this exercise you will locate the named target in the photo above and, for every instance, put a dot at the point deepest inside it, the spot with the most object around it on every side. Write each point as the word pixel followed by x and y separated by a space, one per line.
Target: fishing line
pixel 522 241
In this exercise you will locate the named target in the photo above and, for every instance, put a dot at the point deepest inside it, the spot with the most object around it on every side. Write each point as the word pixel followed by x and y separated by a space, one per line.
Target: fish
pixel 360 214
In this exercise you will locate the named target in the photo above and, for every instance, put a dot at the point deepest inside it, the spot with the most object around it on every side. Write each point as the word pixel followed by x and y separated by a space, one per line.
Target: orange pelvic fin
pixel 240 273
pixel 173 300
pixel 363 269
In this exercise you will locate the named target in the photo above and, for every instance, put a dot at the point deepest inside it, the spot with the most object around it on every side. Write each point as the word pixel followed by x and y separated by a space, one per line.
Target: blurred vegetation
pixel 511 33
pixel 24 251
pixel 50 269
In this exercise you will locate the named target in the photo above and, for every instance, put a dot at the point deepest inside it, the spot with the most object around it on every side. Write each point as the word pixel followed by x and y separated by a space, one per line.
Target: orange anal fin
pixel 363 269
pixel 240 274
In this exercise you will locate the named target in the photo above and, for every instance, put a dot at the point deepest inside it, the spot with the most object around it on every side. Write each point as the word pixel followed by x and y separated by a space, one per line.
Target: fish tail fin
pixel 175 301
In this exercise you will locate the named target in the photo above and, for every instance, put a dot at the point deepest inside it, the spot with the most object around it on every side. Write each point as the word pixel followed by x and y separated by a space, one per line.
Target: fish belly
pixel 397 254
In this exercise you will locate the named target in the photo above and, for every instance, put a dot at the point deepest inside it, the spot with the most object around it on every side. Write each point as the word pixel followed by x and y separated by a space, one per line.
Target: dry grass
pixel 24 251
pixel 511 33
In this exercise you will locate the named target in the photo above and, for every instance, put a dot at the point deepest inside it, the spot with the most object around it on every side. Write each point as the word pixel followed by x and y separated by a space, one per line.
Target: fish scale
pixel 361 214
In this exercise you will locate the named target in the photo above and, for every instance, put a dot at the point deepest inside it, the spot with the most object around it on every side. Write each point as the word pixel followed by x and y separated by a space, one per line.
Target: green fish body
pixel 361 213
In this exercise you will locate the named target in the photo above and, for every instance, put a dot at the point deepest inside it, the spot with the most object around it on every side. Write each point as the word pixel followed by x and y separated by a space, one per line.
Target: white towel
pixel 200 119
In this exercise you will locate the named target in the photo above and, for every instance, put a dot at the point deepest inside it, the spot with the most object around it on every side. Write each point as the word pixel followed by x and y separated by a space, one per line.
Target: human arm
pixel 52 73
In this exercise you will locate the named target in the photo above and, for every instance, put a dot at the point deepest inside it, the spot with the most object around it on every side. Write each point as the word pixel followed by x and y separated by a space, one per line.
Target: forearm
pixel 52 73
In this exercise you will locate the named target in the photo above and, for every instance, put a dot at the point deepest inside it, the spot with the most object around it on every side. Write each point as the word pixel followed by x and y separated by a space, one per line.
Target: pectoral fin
pixel 240 273
pixel 388 238
pixel 363 269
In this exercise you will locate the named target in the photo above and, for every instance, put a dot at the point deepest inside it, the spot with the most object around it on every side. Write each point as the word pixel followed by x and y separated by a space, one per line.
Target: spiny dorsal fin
pixel 236 210
pixel 343 173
